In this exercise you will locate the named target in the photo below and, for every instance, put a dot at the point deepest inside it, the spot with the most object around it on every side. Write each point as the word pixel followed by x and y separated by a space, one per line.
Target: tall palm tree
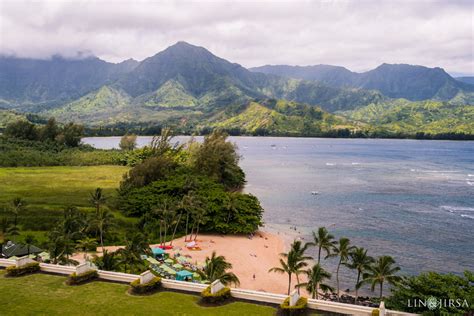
pixel 97 198
pixel 18 206
pixel 343 251
pixel 29 241
pixel 360 261
pixel 316 276
pixel 294 263
pixel 13 231
pixel 216 269
pixel 323 240
pixel 102 221
pixel 382 270
pixel 231 205
pixel 199 218
pixel 85 244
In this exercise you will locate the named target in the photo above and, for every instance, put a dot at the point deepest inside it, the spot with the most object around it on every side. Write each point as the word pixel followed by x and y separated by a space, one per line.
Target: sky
pixel 359 35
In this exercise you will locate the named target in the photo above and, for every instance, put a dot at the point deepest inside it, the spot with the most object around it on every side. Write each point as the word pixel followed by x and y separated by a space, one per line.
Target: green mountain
pixel 430 117
pixel 7 117
pixel 395 81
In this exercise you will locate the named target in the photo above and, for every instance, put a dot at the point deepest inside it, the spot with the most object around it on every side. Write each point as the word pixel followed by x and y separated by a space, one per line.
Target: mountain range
pixel 187 84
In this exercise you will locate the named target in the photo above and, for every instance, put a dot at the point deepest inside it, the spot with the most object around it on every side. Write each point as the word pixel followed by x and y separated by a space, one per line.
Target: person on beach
pixel 254 276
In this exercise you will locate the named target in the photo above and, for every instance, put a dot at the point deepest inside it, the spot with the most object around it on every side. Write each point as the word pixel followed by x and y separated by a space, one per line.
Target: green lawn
pixel 40 294
pixel 48 190
pixel 57 186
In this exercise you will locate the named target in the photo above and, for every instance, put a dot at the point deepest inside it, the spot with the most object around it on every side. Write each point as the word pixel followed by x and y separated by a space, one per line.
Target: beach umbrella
pixel 170 261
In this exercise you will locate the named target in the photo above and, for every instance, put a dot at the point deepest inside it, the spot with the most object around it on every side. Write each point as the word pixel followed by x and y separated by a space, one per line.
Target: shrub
pixel 75 279
pixel 375 312
pixel 217 297
pixel 137 288
pixel 26 269
pixel 298 309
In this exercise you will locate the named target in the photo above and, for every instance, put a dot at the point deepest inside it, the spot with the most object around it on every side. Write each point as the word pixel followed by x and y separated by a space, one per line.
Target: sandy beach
pixel 249 257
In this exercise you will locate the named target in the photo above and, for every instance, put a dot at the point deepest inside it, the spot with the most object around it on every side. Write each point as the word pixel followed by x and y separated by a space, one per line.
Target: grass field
pixel 48 190
pixel 41 294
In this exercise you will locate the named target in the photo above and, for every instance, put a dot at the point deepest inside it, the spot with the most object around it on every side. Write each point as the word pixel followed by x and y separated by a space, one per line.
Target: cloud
pixel 357 34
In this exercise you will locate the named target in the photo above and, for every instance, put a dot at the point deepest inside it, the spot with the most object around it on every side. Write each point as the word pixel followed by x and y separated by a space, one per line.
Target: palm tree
pixel 29 240
pixel 295 262
pixel 135 245
pixel 216 269
pixel 361 262
pixel 13 231
pixel 323 240
pixel 343 251
pixel 316 277
pixel 85 244
pixel 97 198
pixel 199 218
pixel 379 272
pixel 231 205
pixel 109 261
pixel 18 206
pixel 175 222
pixel 103 221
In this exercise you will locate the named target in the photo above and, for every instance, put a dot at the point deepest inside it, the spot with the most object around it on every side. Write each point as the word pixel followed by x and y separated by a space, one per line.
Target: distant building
pixel 18 250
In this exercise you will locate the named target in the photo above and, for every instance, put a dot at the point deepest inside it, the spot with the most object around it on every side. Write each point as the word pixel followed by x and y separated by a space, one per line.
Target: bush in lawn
pixel 375 312
pixel 26 269
pixel 75 279
pixel 137 288
pixel 298 309
pixel 208 297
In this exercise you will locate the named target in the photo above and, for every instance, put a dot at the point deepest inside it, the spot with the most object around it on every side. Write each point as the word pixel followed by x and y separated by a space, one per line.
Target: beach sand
pixel 248 257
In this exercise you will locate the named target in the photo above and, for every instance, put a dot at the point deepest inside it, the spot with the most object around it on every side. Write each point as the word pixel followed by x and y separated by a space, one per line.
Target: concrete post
pixel 294 297
pixel 382 309
pixel 216 286
pixel 146 277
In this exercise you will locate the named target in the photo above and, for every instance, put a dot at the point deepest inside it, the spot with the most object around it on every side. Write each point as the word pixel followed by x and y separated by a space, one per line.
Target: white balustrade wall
pixel 20 262
pixel 255 296
pixel 146 277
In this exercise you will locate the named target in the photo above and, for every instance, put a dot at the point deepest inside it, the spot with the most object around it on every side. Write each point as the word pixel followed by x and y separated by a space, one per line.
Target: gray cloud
pixel 357 34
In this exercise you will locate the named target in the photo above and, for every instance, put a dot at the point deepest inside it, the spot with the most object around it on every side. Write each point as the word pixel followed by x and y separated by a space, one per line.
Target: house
pixel 18 250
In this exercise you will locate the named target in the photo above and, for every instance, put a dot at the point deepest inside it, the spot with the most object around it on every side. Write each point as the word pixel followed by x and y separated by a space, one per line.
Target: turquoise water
pixel 411 199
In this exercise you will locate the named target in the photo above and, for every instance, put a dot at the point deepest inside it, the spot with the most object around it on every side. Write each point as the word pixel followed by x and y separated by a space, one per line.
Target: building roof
pixel 10 249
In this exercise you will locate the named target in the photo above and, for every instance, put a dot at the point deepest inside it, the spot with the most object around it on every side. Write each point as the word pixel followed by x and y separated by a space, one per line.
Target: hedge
pixel 375 312
pixel 137 288
pixel 298 309
pixel 75 279
pixel 26 269
pixel 222 295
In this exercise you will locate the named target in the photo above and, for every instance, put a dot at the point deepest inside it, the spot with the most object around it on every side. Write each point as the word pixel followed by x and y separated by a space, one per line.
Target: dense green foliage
pixel 445 287
pixel 28 153
pixel 198 182
pixel 76 279
pixel 417 118
pixel 220 296
pixel 34 293
pixel 150 287
pixel 14 271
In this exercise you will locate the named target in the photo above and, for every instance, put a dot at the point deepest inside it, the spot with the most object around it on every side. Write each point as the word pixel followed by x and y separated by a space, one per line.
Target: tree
pixel 216 269
pixel 295 262
pixel 135 245
pixel 109 261
pixel 97 198
pixel 22 129
pixel 13 231
pixel 71 135
pixel 432 284
pixel 18 206
pixel 128 142
pixel 316 276
pixel 86 244
pixel 342 250
pixel 323 241
pixel 218 159
pixel 361 262
pixel 29 241
pixel 103 221
pixel 382 270
pixel 50 130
